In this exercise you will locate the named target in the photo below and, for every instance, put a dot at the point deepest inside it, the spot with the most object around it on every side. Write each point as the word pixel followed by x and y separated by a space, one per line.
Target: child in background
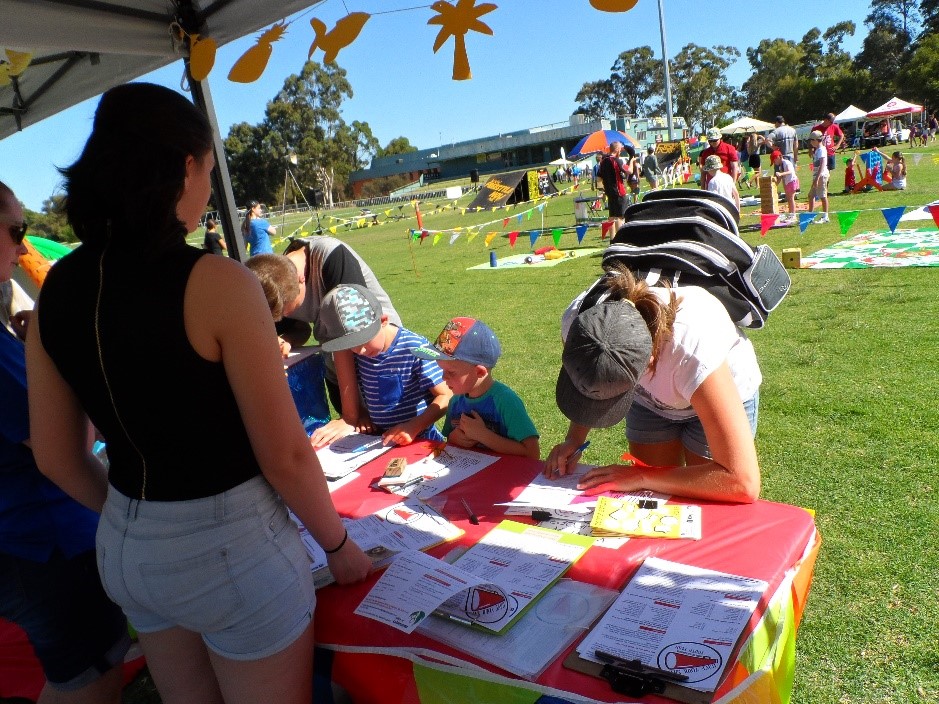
pixel 850 180
pixel 820 173
pixel 786 177
pixel 404 396
pixel 281 284
pixel 483 412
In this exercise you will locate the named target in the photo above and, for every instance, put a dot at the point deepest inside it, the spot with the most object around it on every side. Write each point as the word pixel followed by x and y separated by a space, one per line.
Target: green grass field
pixel 848 420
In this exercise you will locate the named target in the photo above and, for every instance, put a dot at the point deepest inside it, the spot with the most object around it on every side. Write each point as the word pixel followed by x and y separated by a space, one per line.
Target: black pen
pixel 469 512
pixel 411 482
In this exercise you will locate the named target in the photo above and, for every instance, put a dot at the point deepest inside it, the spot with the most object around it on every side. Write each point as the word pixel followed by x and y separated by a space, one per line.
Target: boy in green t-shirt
pixel 483 412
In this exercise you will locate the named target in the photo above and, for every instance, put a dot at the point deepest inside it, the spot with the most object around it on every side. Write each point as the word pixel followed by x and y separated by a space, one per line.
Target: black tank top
pixel 169 417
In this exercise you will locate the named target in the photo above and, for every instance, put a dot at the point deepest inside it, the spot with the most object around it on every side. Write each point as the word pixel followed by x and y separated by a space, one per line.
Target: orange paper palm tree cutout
pixel 455 21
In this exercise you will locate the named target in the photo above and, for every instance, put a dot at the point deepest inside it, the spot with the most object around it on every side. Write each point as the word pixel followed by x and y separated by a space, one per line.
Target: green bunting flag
pixel 846 220
pixel 556 235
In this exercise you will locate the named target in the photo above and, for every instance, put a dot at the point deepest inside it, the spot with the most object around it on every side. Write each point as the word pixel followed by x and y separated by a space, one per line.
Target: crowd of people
pixel 194 546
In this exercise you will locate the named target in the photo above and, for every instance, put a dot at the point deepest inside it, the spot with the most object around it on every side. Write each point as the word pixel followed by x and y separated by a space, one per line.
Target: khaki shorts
pixel 821 188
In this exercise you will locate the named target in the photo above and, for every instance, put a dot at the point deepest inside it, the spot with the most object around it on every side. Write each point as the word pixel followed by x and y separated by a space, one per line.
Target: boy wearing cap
pixel 719 182
pixel 819 188
pixel 483 412
pixel 404 396
pixel 730 160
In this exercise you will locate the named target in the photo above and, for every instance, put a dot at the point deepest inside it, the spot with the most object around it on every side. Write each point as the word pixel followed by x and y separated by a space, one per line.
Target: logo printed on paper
pixel 695 660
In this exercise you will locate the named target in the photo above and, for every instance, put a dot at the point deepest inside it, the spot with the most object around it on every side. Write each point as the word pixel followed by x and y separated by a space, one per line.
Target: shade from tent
pixel 851 113
pixel 601 140
pixel 746 125
pixel 894 106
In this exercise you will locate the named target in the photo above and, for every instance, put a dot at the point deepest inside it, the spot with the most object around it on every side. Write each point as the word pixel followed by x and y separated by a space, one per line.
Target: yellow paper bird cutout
pixel 18 60
pixel 339 37
pixel 613 5
pixel 4 74
pixel 455 21
pixel 201 56
pixel 253 62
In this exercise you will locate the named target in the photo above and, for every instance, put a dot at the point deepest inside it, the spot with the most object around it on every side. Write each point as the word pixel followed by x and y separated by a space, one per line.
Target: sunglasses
pixel 17 230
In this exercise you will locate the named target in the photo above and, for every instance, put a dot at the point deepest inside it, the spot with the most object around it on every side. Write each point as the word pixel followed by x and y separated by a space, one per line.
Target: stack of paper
pixel 348 453
pixel 617 517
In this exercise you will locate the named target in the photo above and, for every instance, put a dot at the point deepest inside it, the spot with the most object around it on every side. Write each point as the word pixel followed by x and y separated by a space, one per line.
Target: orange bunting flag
pixel 767 220
pixel 605 229
pixel 505 222
pixel 556 235
pixel 489 238
pixel 512 237
pixel 339 37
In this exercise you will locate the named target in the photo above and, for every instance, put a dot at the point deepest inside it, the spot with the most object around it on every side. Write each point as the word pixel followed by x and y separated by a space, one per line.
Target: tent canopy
pixel 894 106
pixel 747 124
pixel 851 113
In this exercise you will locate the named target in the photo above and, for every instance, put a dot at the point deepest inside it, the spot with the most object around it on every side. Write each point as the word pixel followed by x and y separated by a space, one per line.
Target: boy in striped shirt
pixel 404 395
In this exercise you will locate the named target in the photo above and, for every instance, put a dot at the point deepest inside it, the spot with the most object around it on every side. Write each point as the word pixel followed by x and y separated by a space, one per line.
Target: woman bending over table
pixel 149 337
pixel 682 374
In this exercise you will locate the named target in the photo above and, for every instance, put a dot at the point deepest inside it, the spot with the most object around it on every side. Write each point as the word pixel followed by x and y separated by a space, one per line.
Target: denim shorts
pixel 77 632
pixel 648 427
pixel 230 567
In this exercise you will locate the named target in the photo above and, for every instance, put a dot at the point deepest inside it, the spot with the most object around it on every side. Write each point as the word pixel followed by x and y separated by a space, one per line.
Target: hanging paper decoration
pixel 893 215
pixel 16 62
pixel 339 37
pixel 613 5
pixel 581 230
pixel 201 56
pixel 455 21
pixel 804 220
pixel 253 62
pixel 512 237
pixel 846 220
pixel 533 236
pixel 767 220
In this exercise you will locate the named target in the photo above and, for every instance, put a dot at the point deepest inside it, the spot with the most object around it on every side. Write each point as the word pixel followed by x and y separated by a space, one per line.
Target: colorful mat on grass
pixel 879 249
pixel 518 260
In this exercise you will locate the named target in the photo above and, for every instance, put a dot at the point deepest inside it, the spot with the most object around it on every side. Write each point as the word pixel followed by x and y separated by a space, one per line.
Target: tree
pixel 772 61
pixel 51 222
pixel 836 61
pixel 929 9
pixel 253 174
pixel 702 94
pixel 899 14
pixel 398 145
pixel 919 78
pixel 880 55
pixel 635 79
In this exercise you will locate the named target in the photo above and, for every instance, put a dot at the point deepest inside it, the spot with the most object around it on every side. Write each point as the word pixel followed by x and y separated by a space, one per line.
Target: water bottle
pixel 492 258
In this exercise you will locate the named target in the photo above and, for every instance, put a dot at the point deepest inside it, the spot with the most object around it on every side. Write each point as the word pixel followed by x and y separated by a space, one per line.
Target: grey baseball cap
pixel 608 348
pixel 350 316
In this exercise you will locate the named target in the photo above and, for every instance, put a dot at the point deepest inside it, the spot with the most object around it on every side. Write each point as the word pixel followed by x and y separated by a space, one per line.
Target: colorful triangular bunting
pixel 893 215
pixel 581 232
pixel 767 220
pixel 512 237
pixel 804 220
pixel 846 219
pixel 556 235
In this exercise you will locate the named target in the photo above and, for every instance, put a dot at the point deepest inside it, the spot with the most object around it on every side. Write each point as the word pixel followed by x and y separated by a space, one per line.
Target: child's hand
pixel 458 437
pixel 399 435
pixel 284 347
pixel 472 425
pixel 333 430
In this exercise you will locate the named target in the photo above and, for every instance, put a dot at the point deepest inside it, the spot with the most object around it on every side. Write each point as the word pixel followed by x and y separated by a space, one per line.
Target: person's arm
pixel 347 379
pixel 221 242
pixel 60 430
pixel 736 195
pixel 734 166
pixel 227 319
pixel 732 475
pixel 405 433
pixel 474 428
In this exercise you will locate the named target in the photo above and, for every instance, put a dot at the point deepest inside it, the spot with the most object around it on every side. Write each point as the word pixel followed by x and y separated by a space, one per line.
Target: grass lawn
pixel 848 421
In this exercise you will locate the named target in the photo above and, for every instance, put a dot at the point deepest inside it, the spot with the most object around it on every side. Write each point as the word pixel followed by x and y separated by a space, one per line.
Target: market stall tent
pixel 81 48
pixel 851 114
pixel 893 107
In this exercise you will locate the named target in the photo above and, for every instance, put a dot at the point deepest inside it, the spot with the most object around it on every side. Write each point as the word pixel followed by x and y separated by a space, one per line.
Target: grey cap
pixel 607 350
pixel 350 316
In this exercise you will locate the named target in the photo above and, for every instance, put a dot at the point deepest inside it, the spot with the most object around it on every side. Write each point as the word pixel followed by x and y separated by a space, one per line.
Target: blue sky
pixel 526 74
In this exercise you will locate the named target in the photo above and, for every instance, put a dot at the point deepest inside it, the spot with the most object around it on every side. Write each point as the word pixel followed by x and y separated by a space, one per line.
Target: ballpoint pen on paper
pixel 368 445
pixel 451 617
pixel 469 512
pixel 411 482
pixel 576 453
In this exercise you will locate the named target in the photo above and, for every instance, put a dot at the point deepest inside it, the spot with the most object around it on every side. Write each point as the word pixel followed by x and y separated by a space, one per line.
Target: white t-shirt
pixel 723 185
pixel 787 171
pixel 703 337
pixel 820 160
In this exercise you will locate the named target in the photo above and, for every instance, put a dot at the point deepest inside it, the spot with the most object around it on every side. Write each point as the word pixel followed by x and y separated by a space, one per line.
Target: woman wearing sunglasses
pixel 49 584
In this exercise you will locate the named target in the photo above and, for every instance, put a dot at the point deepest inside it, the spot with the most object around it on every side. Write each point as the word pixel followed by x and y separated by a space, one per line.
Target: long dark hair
pixel 125 185
pixel 249 215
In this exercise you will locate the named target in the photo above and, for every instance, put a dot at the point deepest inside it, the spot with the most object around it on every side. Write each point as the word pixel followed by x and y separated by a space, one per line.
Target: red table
pixel 376 663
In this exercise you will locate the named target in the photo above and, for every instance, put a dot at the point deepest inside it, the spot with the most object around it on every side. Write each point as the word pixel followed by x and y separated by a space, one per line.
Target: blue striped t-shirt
pixel 395 384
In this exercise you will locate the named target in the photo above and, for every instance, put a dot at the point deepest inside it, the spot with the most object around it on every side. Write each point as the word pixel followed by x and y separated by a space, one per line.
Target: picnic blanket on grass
pixel 518 260
pixel 918 247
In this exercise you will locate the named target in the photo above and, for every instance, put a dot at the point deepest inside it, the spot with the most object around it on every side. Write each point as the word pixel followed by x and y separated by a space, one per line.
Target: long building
pixel 530 147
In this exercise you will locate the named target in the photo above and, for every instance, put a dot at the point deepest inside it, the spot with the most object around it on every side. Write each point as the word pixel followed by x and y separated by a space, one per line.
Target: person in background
pixel 684 377
pixel 650 168
pixel 257 231
pixel 785 140
pixel 896 167
pixel 832 137
pixel 483 412
pixel 614 175
pixel 787 178
pixel 730 161
pixel 195 542
pixel 49 584
pixel 214 242
pixel 852 170
pixel 820 175
pixel 720 182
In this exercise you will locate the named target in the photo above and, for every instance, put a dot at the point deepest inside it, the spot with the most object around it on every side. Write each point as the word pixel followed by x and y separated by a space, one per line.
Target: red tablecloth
pixel 761 540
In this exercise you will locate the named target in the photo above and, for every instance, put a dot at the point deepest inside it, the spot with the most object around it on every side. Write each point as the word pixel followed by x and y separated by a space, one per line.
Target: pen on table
pixel 367 445
pixel 469 512
pixel 451 617
pixel 410 482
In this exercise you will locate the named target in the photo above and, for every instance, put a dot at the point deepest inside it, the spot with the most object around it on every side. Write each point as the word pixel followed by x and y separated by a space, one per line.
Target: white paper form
pixel 678 618
pixel 384 534
pixel 412 587
pixel 348 453
pixel 442 470
pixel 562 499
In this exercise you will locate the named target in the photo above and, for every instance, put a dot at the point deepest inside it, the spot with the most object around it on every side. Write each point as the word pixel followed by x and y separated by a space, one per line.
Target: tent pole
pixel 221 181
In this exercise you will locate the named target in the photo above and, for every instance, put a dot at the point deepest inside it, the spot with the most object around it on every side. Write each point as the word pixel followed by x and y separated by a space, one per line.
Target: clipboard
pixel 636 681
